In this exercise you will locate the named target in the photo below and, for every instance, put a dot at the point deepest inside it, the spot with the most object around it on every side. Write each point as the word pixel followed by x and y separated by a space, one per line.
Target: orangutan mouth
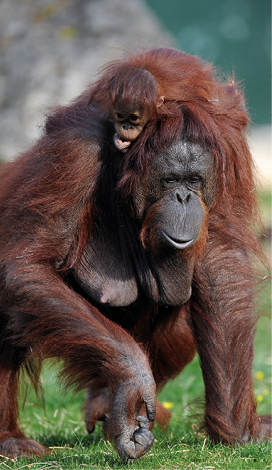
pixel 121 144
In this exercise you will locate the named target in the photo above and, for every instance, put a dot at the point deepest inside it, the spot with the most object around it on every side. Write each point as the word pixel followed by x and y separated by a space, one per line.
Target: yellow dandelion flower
pixel 259 375
pixel 168 405
pixel 259 398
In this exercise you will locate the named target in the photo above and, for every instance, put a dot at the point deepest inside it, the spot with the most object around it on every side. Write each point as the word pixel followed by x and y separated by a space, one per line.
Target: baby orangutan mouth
pixel 120 143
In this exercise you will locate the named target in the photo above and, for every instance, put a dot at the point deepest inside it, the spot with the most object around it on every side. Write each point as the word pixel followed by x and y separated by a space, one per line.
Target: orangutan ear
pixel 160 101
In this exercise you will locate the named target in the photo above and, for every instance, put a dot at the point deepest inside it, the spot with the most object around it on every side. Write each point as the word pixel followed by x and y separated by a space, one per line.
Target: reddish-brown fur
pixel 47 202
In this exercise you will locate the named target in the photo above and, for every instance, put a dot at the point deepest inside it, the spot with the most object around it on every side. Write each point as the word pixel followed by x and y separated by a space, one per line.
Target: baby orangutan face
pixel 128 124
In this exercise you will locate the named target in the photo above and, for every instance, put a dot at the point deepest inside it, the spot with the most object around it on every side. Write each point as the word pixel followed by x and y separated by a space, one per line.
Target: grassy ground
pixel 60 424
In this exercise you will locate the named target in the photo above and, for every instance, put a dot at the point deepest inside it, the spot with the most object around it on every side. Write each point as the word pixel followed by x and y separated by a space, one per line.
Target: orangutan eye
pixel 169 182
pixel 120 116
pixel 194 181
pixel 134 118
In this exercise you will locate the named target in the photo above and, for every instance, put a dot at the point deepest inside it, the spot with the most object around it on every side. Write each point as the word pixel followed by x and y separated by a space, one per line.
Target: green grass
pixel 60 424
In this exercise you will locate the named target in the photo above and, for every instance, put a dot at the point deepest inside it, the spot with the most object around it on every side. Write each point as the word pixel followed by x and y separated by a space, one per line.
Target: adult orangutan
pixel 125 235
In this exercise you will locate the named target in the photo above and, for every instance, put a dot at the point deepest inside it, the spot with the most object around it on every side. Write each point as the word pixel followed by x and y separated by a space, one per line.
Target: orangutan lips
pixel 121 144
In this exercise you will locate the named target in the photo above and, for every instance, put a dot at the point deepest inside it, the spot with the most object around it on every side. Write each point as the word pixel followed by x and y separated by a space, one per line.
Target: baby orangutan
pixel 129 122
pixel 129 115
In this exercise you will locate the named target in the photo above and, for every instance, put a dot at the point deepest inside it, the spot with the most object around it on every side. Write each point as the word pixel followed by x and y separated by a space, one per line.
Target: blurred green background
pixel 234 34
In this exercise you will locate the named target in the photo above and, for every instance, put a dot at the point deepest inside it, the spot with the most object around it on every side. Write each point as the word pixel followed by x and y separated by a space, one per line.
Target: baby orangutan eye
pixel 120 116
pixel 134 118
